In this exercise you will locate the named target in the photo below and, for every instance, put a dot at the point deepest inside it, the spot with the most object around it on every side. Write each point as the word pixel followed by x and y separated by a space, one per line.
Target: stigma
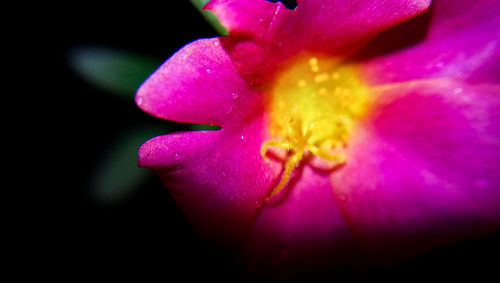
pixel 313 107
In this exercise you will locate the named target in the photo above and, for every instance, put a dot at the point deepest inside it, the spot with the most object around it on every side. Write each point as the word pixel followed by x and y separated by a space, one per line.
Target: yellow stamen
pixel 289 167
pixel 313 107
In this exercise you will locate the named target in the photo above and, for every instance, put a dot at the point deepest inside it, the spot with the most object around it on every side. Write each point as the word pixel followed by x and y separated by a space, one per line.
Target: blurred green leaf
pixel 117 71
pixel 117 176
pixel 209 16
pixel 203 127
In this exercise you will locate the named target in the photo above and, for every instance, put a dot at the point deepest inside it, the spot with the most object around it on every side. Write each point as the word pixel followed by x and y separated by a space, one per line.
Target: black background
pixel 69 123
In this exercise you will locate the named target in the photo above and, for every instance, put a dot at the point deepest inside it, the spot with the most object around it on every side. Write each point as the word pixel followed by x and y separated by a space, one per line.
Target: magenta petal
pixel 218 178
pixel 266 34
pixel 425 171
pixel 197 84
pixel 463 41
pixel 304 232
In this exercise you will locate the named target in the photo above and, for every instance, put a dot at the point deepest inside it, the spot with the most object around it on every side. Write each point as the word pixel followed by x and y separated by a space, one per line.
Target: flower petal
pixel 198 84
pixel 301 232
pixel 425 171
pixel 462 41
pixel 266 34
pixel 218 178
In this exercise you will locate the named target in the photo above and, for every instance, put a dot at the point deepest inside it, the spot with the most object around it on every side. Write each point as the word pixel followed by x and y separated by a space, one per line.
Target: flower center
pixel 313 106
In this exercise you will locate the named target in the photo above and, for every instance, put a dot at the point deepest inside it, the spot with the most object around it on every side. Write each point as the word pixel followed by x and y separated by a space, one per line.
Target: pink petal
pixel 463 41
pixel 266 34
pixel 218 178
pixel 198 84
pixel 425 170
pixel 301 231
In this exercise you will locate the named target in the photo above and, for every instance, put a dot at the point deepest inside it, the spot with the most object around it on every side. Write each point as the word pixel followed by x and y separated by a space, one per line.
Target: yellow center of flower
pixel 313 106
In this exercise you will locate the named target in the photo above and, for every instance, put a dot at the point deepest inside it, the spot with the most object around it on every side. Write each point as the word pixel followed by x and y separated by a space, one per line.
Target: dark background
pixel 66 233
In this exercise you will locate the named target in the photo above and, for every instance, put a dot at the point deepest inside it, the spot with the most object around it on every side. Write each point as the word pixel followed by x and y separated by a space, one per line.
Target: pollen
pixel 313 63
pixel 313 107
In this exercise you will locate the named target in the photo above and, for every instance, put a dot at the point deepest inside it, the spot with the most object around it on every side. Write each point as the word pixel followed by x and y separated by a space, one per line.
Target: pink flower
pixel 325 158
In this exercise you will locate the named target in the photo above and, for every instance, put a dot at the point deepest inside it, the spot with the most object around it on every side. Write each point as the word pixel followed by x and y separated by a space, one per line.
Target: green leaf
pixel 209 16
pixel 116 176
pixel 203 127
pixel 117 71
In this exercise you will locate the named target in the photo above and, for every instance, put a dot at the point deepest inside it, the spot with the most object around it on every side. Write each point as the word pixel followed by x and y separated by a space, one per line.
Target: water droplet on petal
pixel 139 101
pixel 242 137
pixel 208 70
pixel 177 156
pixel 235 95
